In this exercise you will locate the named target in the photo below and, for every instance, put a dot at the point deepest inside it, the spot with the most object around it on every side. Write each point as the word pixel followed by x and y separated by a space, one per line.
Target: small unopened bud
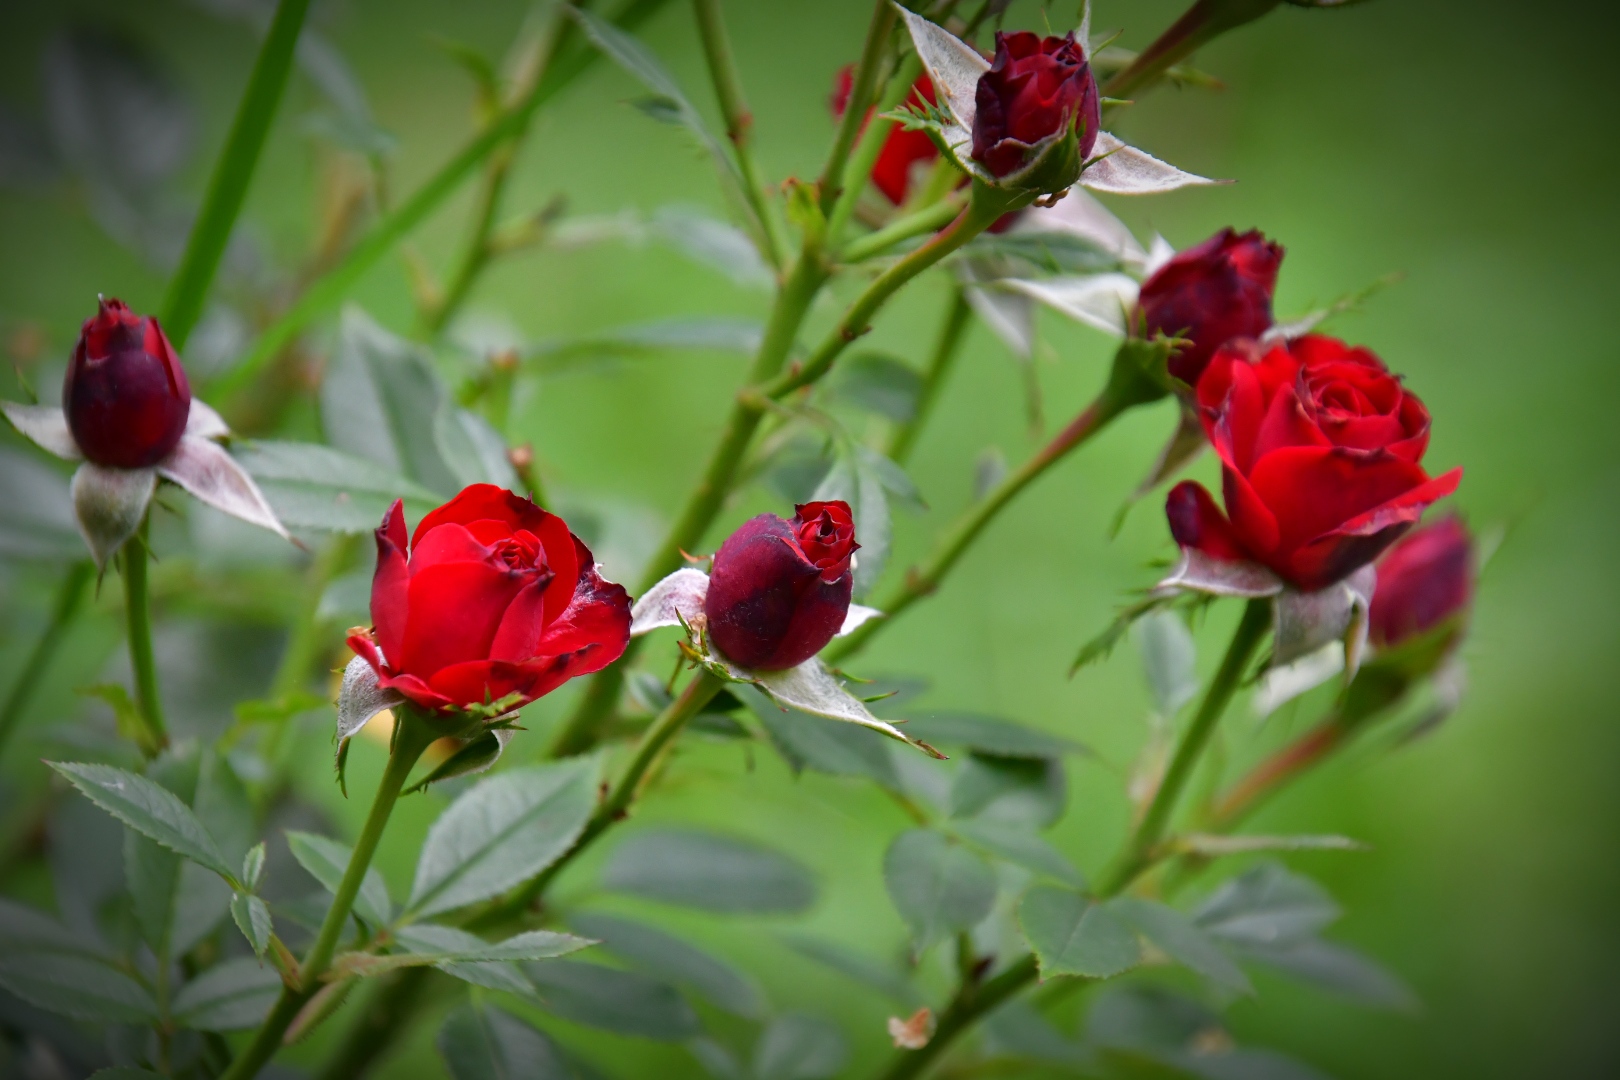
pixel 1037 91
pixel 126 396
pixel 1210 294
pixel 1426 579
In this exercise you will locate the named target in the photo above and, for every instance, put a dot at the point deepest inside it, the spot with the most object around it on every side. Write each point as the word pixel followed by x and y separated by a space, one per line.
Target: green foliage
pixel 707 871
pixel 939 887
pixel 1072 934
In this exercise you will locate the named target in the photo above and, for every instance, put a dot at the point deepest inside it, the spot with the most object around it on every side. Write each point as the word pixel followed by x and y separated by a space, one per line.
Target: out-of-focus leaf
pixel 347 600
pixel 1169 659
pixel 327 860
pixel 379 401
pixel 989 470
pixel 1184 942
pixel 481 1042
pixel 150 809
pixel 1099 647
pixel 1267 906
pixel 27 160
pixel 77 986
pixel 939 887
pixel 715 1059
pixel 703 870
pixel 829 746
pixel 316 487
pixel 38 523
pixel 878 383
pixel 231 996
pixel 800 1046
pixel 473 450
pixel 1026 791
pixel 664 956
pixel 1148 1018
pixel 989 735
pixel 502 831
pixel 883 978
pixel 1072 934
pixel 1018 1029
pixel 1215 846
pixel 25 930
pixel 623 1002
pixel 1338 969
pixel 1019 844
pixel 691 232
pixel 1046 252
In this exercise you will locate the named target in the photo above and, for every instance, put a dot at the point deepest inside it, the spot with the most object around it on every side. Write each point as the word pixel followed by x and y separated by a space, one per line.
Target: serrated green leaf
pixel 667 957
pixel 704 870
pixel 1030 792
pixel 1020 845
pixel 327 860
pixel 1183 941
pixel 150 809
pixel 480 1042
pixel 252 917
pixel 502 831
pixel 232 996
pixel 1071 934
pixel 939 887
pixel 425 938
pixel 1267 906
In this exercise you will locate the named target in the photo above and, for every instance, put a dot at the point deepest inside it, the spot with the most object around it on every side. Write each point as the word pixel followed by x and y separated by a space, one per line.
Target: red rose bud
pixel 902 149
pixel 1209 295
pixel 1423 581
pixel 126 396
pixel 1036 89
pixel 1320 450
pixel 496 597
pixel 780 590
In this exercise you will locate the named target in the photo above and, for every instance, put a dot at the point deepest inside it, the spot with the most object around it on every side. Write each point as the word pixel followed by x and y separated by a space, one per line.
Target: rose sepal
pixel 809 687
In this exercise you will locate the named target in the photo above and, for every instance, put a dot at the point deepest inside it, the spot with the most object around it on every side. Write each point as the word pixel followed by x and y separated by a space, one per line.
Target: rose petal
pixel 1251 518
pixel 390 584
pixel 1196 522
pixel 46 426
pixel 1129 171
pixel 597 619
pixel 455 609
pixel 1286 425
pixel 1364 537
pixel 108 505
pixel 212 476
pixel 518 636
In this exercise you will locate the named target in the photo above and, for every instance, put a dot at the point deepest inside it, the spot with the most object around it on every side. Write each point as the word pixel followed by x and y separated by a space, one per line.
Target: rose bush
pixel 780 589
pixel 1321 450
pixel 1036 90
pixel 125 395
pixel 491 597
pixel 1208 295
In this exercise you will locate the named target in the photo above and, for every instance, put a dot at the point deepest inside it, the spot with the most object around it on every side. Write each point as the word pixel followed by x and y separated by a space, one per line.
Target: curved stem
pixel 739 121
pixel 861 163
pixel 898 231
pixel 183 303
pixel 957 316
pixel 138 617
pixel 861 88
pixel 1142 849
pixel 69 596
pixel 412 734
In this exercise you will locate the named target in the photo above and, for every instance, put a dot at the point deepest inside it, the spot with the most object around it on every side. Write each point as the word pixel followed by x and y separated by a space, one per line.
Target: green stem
pixel 929 219
pixel 183 303
pixel 334 285
pixel 665 726
pixel 859 170
pixel 970 1003
pixel 958 314
pixel 69 596
pixel 372 1032
pixel 861 88
pixel 739 121
pixel 1201 24
pixel 138 612
pixel 412 735
pixel 1142 850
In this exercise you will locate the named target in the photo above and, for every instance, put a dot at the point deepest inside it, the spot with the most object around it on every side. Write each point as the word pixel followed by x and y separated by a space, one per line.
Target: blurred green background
pixel 1468 145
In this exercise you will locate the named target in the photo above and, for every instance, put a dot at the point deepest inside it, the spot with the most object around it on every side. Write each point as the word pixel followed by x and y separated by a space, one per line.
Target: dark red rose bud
pixel 902 149
pixel 780 590
pixel 125 395
pixel 1423 581
pixel 1209 295
pixel 1036 89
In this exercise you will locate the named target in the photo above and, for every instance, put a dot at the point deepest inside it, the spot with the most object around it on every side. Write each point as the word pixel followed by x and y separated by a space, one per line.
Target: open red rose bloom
pixel 780 589
pixel 495 598
pixel 1320 450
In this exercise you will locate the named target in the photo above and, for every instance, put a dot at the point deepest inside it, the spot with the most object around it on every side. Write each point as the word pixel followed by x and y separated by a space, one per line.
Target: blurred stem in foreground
pixel 138 616
pixel 1142 849
pixel 412 734
pixel 958 314
pixel 69 599
pixel 573 58
pixel 871 145
pixel 391 1005
pixel 233 172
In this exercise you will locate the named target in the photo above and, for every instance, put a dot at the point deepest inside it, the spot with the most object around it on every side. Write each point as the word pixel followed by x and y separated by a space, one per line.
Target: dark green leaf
pixel 77 986
pixel 530 945
pixel 880 384
pixel 1267 906
pixel 623 1002
pixel 939 887
pixel 327 860
pixel 24 930
pixel 1184 942
pixel 799 1046
pixel 316 487
pixel 231 996
pixel 1018 1029
pixel 1338 969
pixel 666 957
pixel 1025 791
pixel 480 1042
pixel 501 831
pixel 703 870
pixel 824 745
pixel 883 978
pixel 148 808
pixel 1071 934
pixel 1021 845
pixel 989 735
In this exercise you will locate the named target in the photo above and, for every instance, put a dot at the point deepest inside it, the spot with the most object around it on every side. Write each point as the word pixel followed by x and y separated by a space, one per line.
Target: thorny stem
pixel 412 735
pixel 901 229
pixel 183 303
pixel 138 613
pixel 958 314
pixel 739 121
pixel 69 597
pixel 861 89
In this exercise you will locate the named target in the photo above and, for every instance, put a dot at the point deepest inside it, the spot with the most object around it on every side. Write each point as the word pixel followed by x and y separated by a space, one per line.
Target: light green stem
pixel 929 219
pixel 183 303
pixel 138 615
pixel 69 597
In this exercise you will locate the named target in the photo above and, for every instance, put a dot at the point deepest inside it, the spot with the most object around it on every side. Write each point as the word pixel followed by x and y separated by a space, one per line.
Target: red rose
pixel 1424 580
pixel 1209 295
pixel 779 590
pixel 1320 449
pixel 902 149
pixel 125 396
pixel 497 597
pixel 1035 90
